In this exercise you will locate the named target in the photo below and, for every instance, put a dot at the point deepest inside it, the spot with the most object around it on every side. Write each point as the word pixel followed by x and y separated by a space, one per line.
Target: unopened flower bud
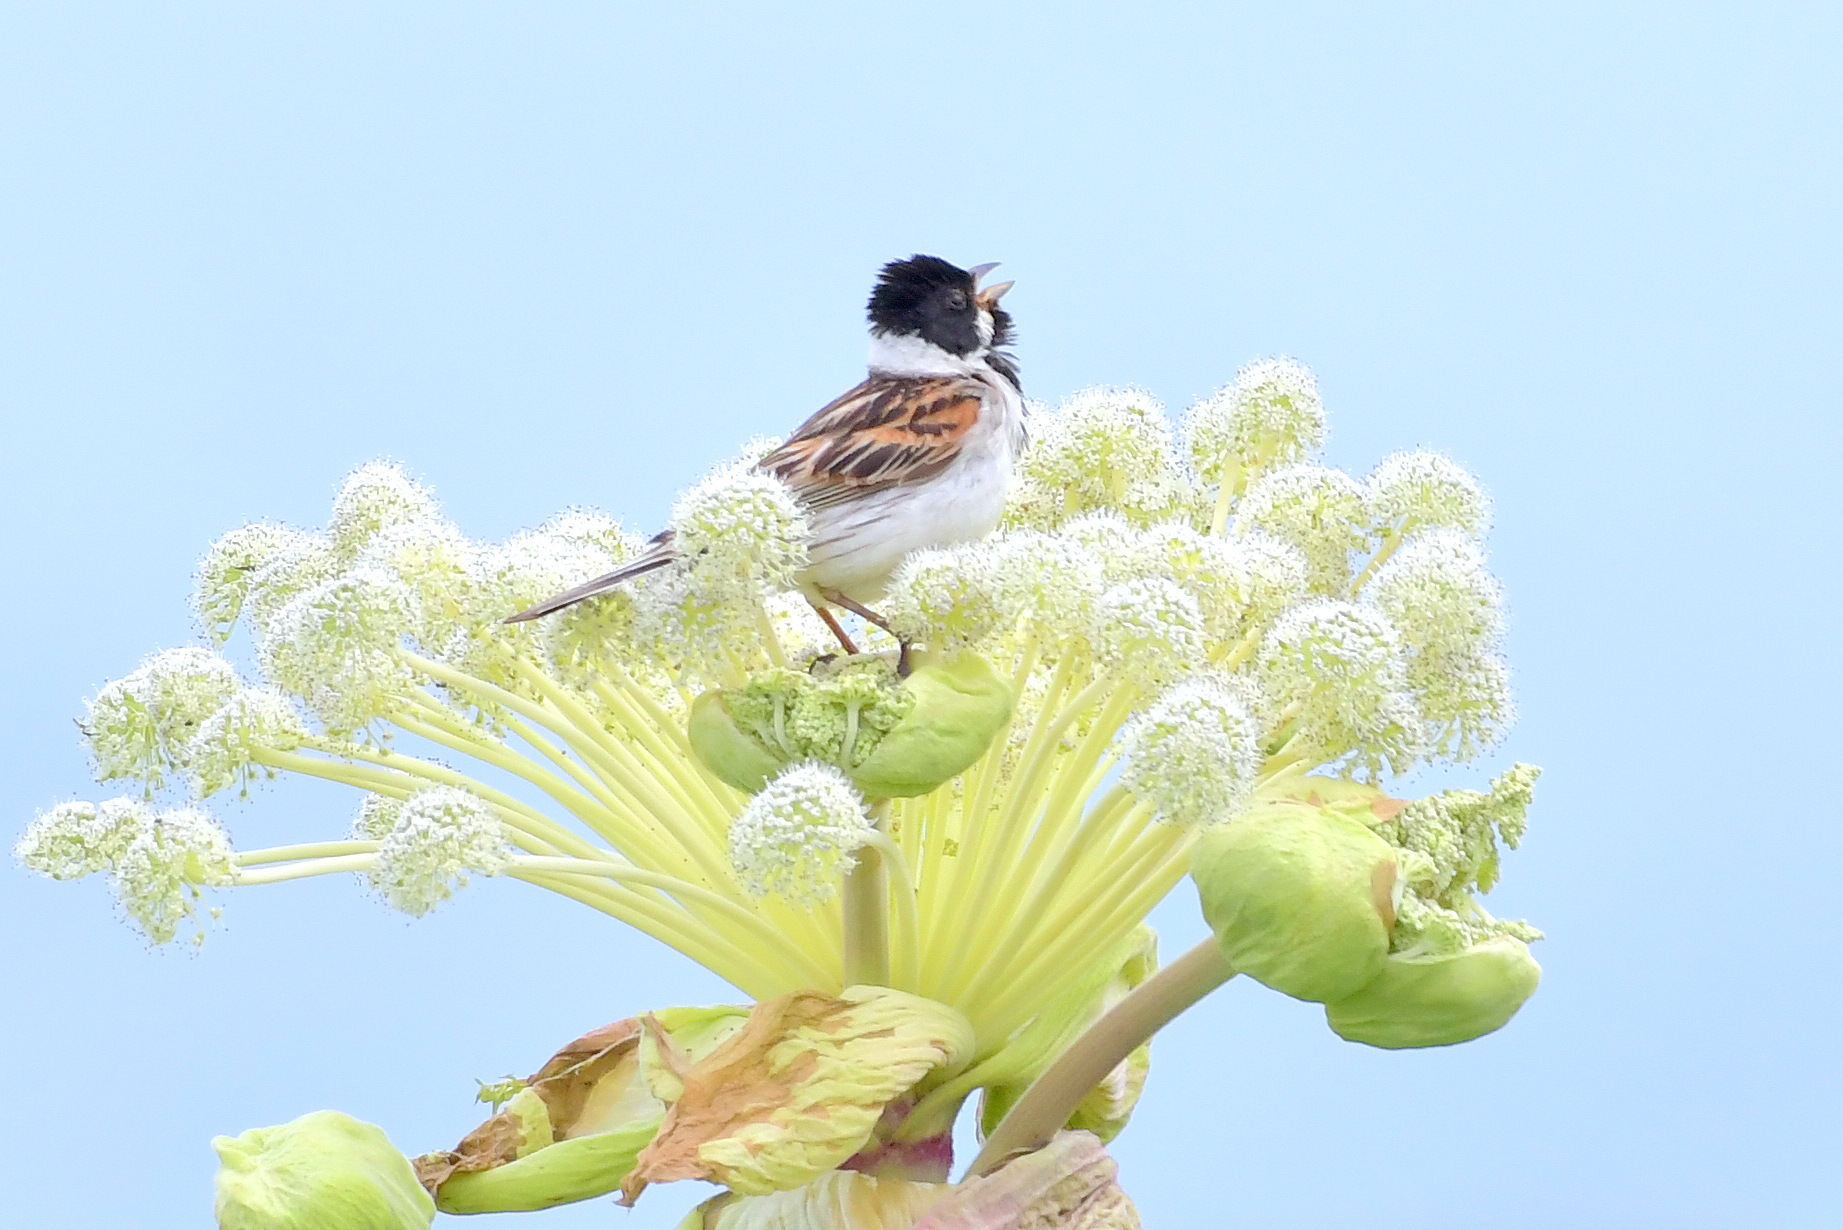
pixel 1438 1000
pixel 323 1171
pixel 1300 898
pixel 572 1131
pixel 799 1089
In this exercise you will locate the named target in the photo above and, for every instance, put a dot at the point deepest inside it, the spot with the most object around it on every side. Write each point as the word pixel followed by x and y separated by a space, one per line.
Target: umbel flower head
pixel 1184 640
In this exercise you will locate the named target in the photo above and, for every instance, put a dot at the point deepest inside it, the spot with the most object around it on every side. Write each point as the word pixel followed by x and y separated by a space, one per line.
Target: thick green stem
pixel 905 964
pixel 1119 1031
pixel 866 905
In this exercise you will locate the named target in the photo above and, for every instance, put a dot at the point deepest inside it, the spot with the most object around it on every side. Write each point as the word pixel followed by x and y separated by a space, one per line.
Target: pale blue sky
pixel 547 254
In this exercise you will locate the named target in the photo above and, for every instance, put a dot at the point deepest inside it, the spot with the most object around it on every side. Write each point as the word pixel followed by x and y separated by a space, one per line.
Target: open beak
pixel 990 295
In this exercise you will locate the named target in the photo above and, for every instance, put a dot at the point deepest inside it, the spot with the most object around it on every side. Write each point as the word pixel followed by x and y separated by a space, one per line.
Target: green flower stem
pixel 668 925
pixel 1064 830
pixel 624 796
pixel 501 757
pixel 708 802
pixel 1011 911
pixel 865 899
pixel 1032 903
pixel 1146 1009
pixel 644 717
pixel 1233 478
pixel 1241 651
pixel 592 744
pixel 771 948
pixel 666 843
pixel 771 640
pixel 1071 936
pixel 907 953
pixel 519 815
pixel 960 898
pixel 976 792
pixel 665 765
pixel 307 867
pixel 563 723
pixel 615 793
pixel 1390 541
pixel 1024 797
pixel 311 849
pixel 398 777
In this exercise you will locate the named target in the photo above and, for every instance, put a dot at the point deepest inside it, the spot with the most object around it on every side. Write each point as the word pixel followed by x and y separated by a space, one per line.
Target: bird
pixel 917 455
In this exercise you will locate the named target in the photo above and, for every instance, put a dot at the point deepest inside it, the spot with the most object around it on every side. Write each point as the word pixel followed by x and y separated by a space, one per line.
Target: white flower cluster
pixel 1194 753
pixel 949 596
pixel 1448 611
pixel 142 726
pixel 224 751
pixel 1215 601
pixel 376 497
pixel 798 835
pixel 1103 448
pixel 1422 490
pixel 434 838
pixel 741 530
pixel 1334 679
pixel 1271 416
pixel 1318 510
pixel 1360 611
pixel 159 862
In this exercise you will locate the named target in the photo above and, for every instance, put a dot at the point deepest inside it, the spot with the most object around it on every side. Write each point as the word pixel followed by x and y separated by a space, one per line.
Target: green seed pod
pixel 893 739
pixel 1300 898
pixel 323 1171
pixel 1439 1000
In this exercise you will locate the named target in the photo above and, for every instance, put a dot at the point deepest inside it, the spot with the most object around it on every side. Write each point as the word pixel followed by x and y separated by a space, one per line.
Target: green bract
pixel 323 1171
pixel 572 1133
pixel 1299 897
pixel 893 738
pixel 559 1173
pixel 1439 1000
pixel 797 1090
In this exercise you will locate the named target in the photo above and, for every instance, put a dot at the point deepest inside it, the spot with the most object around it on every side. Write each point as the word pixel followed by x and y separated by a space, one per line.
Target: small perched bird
pixel 918 455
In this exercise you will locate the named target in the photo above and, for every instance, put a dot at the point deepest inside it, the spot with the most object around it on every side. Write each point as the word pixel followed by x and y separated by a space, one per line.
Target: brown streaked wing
pixel 888 431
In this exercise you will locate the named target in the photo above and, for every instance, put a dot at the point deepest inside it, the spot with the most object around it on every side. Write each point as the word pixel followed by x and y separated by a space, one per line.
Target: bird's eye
pixel 956 301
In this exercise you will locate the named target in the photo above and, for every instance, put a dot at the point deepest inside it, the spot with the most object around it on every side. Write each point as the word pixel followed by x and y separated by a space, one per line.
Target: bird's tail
pixel 660 554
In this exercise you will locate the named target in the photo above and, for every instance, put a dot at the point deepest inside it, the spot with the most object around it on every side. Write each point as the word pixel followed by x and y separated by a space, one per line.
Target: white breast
pixel 858 543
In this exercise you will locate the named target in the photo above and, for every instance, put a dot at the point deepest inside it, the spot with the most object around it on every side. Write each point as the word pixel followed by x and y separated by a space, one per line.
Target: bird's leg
pixel 858 608
pixel 855 607
pixel 837 629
